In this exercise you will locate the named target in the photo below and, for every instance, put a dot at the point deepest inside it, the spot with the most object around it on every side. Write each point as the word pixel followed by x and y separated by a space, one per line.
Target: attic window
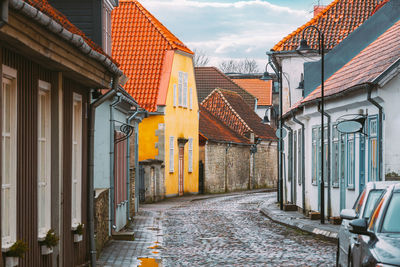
pixel 106 22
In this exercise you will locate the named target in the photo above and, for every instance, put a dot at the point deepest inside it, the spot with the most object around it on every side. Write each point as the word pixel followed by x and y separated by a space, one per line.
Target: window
pixel 185 89
pixel 350 161
pixel 44 158
pixel 392 216
pixel 171 154
pixel 191 98
pixel 373 150
pixel 106 21
pixel 9 157
pixel 299 157
pixel 295 157
pixel 373 197
pixel 174 95
pixel 190 156
pixel 335 157
pixel 76 159
pixel 180 89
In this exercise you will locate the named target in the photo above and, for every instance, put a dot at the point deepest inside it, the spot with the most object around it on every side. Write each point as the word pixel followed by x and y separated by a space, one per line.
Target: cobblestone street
pixel 221 231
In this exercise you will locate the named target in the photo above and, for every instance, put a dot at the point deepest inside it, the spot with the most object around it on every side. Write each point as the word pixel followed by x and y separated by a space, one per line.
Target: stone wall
pixel 230 167
pixel 154 180
pixel 101 218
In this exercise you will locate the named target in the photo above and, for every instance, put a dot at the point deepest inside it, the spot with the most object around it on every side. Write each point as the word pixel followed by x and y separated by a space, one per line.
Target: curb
pixel 322 233
pixel 211 196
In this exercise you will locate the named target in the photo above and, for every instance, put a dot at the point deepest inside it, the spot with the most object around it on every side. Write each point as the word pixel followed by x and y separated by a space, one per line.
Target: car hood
pixel 387 249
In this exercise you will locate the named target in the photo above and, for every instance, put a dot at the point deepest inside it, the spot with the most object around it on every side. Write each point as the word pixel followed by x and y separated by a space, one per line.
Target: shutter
pixel 174 95
pixel 180 89
pixel 191 98
pixel 185 89
pixel 171 154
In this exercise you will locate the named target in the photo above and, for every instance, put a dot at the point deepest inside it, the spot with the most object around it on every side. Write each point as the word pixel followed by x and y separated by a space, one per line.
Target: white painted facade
pixel 388 96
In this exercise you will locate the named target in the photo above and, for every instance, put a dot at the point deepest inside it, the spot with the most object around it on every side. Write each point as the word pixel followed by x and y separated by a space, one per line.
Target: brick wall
pixel 101 218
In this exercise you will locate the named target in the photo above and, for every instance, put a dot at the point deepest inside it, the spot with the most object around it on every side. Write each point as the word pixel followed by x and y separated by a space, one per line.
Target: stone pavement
pixel 227 230
pixel 298 220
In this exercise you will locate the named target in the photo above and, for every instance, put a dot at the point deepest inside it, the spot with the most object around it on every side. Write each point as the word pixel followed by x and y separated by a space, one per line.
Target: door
pixel 181 169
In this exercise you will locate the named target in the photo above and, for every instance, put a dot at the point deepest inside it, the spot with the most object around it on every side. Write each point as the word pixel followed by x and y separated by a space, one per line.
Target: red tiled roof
pixel 337 21
pixel 214 129
pixel 231 109
pixel 209 78
pixel 56 15
pixel 259 88
pixel 139 43
pixel 368 65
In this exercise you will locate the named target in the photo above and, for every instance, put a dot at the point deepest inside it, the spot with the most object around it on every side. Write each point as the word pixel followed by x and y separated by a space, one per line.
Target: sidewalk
pixel 297 220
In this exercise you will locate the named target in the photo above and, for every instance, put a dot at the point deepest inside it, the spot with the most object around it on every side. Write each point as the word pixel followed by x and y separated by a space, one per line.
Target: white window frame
pixel 180 88
pixel 190 155
pixel 76 174
pixel 44 196
pixel 11 219
pixel 106 21
pixel 171 154
pixel 175 95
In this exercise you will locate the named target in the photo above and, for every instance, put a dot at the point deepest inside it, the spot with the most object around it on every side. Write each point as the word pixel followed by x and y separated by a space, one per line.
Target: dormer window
pixel 106 22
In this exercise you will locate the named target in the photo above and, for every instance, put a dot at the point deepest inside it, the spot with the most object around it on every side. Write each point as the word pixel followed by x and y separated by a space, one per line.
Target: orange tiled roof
pixel 139 43
pixel 368 65
pixel 56 15
pixel 234 112
pixel 336 21
pixel 259 88
pixel 214 129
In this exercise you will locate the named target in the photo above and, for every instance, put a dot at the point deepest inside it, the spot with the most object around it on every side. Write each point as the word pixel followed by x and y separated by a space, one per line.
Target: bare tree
pixel 200 58
pixel 239 66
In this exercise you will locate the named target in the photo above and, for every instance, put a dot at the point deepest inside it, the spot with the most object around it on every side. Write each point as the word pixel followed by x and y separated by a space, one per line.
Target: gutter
pixel 380 108
pixel 303 173
pixel 290 161
pixel 92 118
pixel 329 162
pixel 74 39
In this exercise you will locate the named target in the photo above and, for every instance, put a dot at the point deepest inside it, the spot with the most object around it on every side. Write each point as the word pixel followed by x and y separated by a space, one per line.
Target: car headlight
pixel 384 265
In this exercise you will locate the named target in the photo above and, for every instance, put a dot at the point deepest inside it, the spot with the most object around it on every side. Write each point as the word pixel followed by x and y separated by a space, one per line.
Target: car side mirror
pixel 360 226
pixel 348 214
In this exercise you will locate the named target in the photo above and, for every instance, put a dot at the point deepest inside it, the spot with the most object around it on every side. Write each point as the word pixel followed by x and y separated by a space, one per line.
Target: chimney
pixel 318 9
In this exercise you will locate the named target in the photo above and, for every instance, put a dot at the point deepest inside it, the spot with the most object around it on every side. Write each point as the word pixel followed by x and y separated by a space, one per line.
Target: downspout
pixel 92 119
pixel 329 163
pixel 112 178
pixel 380 130
pixel 290 160
pixel 303 186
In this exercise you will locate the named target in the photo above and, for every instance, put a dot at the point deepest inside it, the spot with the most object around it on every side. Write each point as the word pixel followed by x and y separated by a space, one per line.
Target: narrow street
pixel 220 231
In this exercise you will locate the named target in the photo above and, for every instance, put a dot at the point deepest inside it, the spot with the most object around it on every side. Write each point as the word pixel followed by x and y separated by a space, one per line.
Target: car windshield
pixel 373 197
pixel 391 223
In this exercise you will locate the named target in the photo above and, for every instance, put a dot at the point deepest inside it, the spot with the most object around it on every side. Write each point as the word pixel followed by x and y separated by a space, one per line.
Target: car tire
pixel 337 255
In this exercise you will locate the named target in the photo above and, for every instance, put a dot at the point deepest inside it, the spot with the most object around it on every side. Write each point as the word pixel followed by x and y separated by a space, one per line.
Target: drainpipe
pixel 290 161
pixel 111 93
pixel 112 178
pixel 4 13
pixel 226 167
pixel 380 118
pixel 329 162
pixel 303 155
pixel 136 130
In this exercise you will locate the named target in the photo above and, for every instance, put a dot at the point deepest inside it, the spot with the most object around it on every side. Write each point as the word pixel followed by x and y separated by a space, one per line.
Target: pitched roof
pixel 367 66
pixel 140 43
pixel 231 109
pixel 336 21
pixel 57 16
pixel 214 129
pixel 209 78
pixel 259 88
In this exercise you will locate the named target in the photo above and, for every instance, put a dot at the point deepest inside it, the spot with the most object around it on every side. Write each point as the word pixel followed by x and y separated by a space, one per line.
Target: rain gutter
pixel 303 173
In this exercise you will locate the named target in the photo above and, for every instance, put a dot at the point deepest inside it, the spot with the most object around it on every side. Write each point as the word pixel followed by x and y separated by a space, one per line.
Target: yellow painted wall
pixel 182 122
pixel 148 138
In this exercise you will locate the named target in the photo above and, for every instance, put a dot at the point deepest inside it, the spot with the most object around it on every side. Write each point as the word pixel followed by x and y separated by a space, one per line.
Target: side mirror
pixel 360 226
pixel 348 214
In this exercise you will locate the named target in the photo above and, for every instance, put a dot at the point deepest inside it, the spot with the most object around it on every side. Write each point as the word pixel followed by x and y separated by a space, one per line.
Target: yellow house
pixel 161 79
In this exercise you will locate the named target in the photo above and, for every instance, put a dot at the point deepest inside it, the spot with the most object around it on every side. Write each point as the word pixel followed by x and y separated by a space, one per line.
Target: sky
pixel 232 29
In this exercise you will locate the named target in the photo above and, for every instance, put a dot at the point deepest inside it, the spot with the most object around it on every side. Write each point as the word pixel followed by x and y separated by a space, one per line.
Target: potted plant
pixel 16 251
pixel 50 241
pixel 78 233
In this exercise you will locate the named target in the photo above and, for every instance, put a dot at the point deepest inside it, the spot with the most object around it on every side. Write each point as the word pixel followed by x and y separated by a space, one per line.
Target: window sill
pixel 6 247
pixel 350 188
pixel 314 184
pixel 74 226
pixel 335 185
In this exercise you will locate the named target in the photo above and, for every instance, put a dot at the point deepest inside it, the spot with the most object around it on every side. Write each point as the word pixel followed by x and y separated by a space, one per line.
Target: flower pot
pixel 77 238
pixel 46 250
pixel 11 261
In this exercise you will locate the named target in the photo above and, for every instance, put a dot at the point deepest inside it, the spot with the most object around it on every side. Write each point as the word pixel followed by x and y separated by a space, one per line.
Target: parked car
pixel 362 209
pixel 378 242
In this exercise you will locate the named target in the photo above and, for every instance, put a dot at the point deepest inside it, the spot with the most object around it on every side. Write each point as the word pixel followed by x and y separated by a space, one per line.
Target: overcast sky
pixel 232 29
